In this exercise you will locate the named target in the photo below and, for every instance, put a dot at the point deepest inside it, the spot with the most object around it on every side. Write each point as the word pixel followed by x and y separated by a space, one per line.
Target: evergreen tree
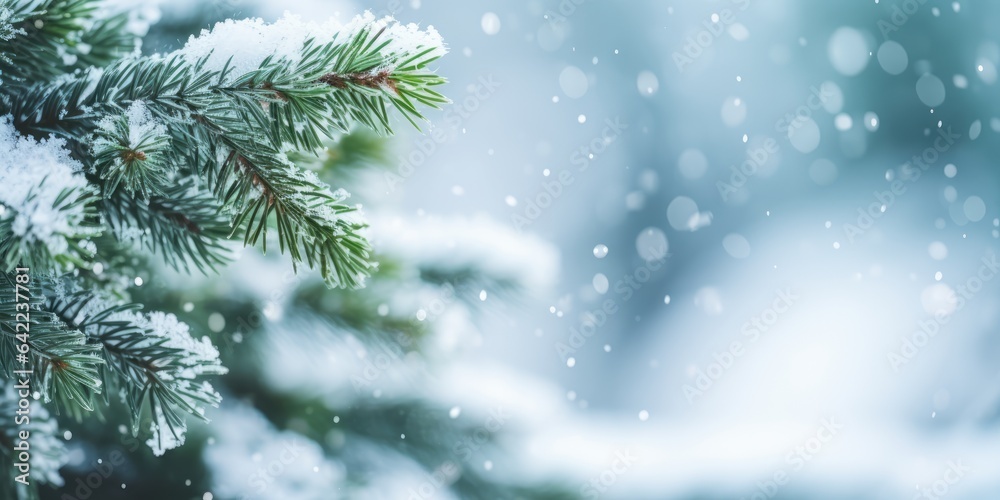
pixel 112 161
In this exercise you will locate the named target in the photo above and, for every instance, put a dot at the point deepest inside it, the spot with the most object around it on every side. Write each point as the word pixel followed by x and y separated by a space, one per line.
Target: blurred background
pixel 658 249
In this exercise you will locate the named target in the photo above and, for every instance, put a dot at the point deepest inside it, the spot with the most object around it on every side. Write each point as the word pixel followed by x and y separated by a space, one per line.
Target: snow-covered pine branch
pixel 66 366
pixel 49 38
pixel 183 224
pixel 107 156
pixel 130 151
pixel 46 205
pixel 241 114
pixel 151 360
pixel 85 345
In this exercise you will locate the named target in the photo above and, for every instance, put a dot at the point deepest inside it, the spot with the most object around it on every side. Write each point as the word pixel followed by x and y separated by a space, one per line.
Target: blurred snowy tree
pixel 129 178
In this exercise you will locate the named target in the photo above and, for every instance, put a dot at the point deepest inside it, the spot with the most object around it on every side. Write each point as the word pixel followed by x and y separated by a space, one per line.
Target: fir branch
pixel 131 150
pixel 56 37
pixel 105 42
pixel 66 366
pixel 378 76
pixel 313 224
pixel 151 359
pixel 9 30
pixel 184 225
pixel 46 206
pixel 251 118
pixel 330 85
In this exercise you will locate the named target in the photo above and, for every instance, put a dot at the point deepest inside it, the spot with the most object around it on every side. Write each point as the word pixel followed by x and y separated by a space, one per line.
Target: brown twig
pixel 373 80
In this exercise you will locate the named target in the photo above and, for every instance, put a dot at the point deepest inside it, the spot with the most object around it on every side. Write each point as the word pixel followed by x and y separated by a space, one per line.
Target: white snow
pixel 159 326
pixel 403 38
pixel 178 336
pixel 247 446
pixel 7 33
pixel 7 29
pixel 250 41
pixel 141 13
pixel 164 438
pixel 456 243
pixel 141 123
pixel 164 329
pixel 142 127
pixel 310 356
pixel 35 174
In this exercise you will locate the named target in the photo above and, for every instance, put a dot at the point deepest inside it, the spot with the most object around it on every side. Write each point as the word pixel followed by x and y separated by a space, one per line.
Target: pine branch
pixel 56 37
pixel 332 84
pixel 132 151
pixel 46 206
pixel 251 119
pixel 364 78
pixel 312 223
pixel 401 79
pixel 183 225
pixel 37 254
pixel 151 360
pixel 105 42
pixel 66 366
pixel 9 29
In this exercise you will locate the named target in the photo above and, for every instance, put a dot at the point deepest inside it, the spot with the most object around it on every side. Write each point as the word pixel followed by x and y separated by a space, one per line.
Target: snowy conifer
pixel 111 160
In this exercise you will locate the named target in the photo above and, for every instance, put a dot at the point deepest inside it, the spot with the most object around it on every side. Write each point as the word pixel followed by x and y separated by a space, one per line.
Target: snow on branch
pixel 152 358
pixel 130 151
pixel 245 44
pixel 456 245
pixel 240 97
pixel 43 203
